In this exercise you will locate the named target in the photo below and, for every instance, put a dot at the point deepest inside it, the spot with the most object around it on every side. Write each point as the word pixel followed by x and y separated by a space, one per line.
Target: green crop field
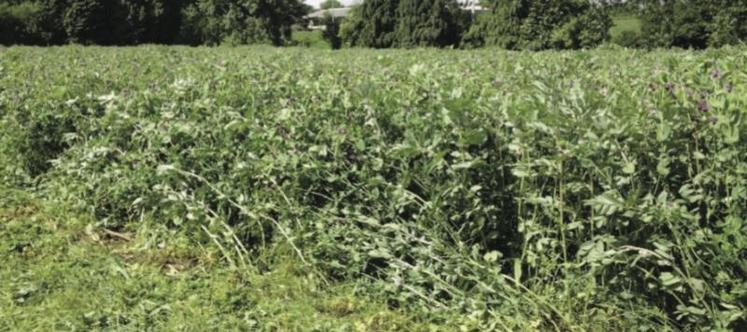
pixel 287 189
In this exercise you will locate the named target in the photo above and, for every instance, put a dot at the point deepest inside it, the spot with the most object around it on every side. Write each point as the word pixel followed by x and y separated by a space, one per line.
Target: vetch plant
pixel 590 190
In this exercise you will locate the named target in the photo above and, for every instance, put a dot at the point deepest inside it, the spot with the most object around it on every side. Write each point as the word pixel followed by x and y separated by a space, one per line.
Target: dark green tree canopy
pixel 373 24
pixel 404 23
pixel 693 23
pixel 510 24
pixel 538 25
pixel 331 31
pixel 240 21
pixel 329 4
pixel 429 23
pixel 124 22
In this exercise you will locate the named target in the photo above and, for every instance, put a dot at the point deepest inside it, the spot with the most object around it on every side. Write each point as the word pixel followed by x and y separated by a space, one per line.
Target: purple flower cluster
pixel 703 106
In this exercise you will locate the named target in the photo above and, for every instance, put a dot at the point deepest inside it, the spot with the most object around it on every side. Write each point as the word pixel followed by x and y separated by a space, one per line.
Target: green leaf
pixel 663 166
pixel 629 168
pixel 668 279
pixel 493 256
pixel 379 253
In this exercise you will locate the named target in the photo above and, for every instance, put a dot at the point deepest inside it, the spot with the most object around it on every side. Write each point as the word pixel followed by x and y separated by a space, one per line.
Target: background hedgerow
pixel 595 190
pixel 693 23
pixel 541 25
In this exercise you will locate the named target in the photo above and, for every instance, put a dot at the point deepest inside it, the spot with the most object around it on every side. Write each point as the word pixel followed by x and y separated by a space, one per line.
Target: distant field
pixel 311 38
pixel 625 22
pixel 293 189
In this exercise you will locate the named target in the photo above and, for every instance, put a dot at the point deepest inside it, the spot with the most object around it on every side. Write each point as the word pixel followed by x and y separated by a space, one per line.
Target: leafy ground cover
pixel 60 275
pixel 443 189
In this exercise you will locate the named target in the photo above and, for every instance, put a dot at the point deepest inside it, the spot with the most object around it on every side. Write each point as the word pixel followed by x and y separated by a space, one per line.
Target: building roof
pixel 335 12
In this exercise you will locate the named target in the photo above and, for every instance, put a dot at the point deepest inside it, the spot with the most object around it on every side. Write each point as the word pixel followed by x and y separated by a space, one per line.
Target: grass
pixel 310 39
pixel 60 275
pixel 624 22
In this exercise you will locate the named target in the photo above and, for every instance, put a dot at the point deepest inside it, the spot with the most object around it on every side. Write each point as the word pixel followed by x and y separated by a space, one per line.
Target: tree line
pixel 129 22
pixel 693 23
pixel 510 24
pixel 540 25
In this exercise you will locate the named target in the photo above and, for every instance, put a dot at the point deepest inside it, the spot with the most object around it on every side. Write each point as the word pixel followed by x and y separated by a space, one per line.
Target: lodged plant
pixel 592 190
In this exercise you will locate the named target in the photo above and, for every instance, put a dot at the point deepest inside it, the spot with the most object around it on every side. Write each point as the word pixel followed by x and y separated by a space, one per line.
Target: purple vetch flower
pixel 729 88
pixel 716 74
pixel 703 106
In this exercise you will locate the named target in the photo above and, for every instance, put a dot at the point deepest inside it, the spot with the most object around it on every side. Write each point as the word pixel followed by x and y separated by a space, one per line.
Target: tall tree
pixel 331 32
pixel 372 24
pixel 404 23
pixel 428 23
pixel 149 21
pixel 693 23
pixel 89 22
pixel 241 21
pixel 537 25
pixel 15 17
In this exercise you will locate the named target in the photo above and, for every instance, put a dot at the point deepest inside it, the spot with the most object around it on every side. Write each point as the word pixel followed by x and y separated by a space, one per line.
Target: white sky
pixel 315 3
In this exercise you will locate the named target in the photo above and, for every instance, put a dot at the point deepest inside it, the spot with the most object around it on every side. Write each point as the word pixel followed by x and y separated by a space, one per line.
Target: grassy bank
pixel 60 274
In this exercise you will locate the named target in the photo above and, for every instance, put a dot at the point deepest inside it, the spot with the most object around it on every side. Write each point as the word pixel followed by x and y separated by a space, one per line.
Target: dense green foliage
pixel 404 23
pixel 329 4
pixel 214 22
pixel 511 24
pixel 595 190
pixel 331 32
pixel 429 23
pixel 538 25
pixel 13 22
pixel 626 29
pixel 371 24
pixel 694 23
pixel 96 22
pixel 311 39
pixel 59 274
pixel 127 22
